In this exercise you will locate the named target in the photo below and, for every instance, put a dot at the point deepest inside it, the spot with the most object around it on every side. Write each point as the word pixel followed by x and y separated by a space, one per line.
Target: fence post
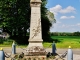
pixel 70 54
pixel 2 55
pixel 53 48
pixel 13 48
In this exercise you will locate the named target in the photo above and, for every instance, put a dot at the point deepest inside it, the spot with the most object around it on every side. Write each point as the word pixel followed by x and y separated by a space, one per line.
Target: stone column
pixel 35 38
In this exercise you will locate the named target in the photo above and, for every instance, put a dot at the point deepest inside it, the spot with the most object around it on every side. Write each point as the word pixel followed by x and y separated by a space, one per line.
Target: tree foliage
pixel 15 17
pixel 65 33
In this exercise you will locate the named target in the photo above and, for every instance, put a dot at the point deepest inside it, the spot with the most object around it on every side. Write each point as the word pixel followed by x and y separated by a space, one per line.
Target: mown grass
pixel 8 43
pixel 65 41
pixel 5 43
pixel 62 42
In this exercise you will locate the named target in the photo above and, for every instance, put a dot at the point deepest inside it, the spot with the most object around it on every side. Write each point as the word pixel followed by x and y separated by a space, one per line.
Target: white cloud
pixel 66 27
pixel 58 9
pixel 55 25
pixel 69 9
pixel 78 24
pixel 72 16
pixel 60 26
pixel 67 17
pixel 63 17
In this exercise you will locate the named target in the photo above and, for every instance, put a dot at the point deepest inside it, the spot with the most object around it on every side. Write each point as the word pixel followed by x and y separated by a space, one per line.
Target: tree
pixel 50 16
pixel 47 21
pixel 15 17
pixel 77 33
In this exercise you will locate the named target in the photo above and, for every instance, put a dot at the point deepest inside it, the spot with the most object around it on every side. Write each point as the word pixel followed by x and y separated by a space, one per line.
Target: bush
pixel 1 40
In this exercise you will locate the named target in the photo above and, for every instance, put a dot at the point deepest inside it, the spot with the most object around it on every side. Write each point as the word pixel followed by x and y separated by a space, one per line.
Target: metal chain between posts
pixel 9 56
pixel 62 56
pixel 20 47
pixel 26 49
pixel 14 58
pixel 48 46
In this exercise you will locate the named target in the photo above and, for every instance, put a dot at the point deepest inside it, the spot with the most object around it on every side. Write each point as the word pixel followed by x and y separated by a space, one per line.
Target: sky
pixel 67 15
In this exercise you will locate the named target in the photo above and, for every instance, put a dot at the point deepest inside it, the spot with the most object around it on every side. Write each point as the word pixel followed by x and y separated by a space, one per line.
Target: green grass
pixel 62 42
pixel 8 43
pixel 65 41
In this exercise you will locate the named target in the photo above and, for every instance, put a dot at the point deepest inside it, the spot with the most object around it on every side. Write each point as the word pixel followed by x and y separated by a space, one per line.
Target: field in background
pixel 65 41
pixel 61 42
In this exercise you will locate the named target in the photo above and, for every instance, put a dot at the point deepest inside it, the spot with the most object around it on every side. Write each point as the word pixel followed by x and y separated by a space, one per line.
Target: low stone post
pixel 53 48
pixel 13 48
pixel 70 54
pixel 2 55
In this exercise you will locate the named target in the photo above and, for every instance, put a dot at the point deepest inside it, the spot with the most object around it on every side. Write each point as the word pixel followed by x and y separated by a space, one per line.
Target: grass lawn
pixel 8 43
pixel 65 41
pixel 62 42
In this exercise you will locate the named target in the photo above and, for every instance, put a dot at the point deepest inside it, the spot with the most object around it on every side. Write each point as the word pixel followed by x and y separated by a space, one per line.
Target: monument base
pixel 35 48
pixel 35 57
pixel 35 42
pixel 35 51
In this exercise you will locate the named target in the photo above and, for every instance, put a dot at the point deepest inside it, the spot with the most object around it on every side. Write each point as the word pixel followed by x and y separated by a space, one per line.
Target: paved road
pixel 76 52
pixel 59 51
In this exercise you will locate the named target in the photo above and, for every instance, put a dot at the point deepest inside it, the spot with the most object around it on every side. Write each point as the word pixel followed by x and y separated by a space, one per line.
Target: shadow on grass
pixel 56 40
pixel 1 40
pixel 50 40
pixel 21 40
pixel 24 40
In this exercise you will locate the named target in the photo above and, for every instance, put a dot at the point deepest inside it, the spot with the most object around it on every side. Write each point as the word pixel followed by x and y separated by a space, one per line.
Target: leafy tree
pixel 15 17
pixel 47 18
pixel 77 33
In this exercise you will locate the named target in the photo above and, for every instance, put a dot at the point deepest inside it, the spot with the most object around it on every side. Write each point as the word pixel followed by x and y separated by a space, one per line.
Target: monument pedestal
pixel 35 57
pixel 35 42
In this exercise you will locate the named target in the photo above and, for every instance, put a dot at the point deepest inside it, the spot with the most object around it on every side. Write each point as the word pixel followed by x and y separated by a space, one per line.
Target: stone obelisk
pixel 35 38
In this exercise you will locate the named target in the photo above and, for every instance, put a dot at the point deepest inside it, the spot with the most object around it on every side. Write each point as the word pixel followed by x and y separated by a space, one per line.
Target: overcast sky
pixel 67 15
